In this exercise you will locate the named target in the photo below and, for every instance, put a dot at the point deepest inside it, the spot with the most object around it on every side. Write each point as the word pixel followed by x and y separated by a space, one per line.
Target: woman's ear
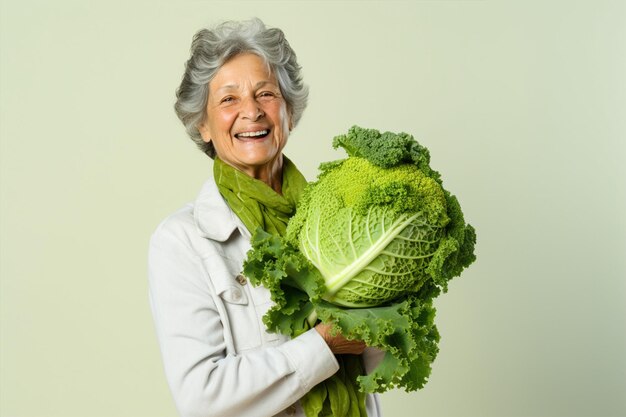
pixel 204 132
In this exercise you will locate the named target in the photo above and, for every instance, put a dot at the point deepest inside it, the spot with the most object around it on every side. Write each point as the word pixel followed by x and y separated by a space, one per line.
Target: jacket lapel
pixel 214 219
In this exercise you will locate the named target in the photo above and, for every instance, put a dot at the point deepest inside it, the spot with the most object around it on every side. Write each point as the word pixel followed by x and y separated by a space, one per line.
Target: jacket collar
pixel 213 218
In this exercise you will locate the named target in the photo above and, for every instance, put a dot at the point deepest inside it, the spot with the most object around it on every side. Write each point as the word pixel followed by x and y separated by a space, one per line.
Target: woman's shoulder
pixel 176 227
pixel 206 221
pixel 183 220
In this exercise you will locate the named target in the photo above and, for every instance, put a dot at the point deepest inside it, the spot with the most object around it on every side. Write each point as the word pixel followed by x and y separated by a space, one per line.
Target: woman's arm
pixel 204 380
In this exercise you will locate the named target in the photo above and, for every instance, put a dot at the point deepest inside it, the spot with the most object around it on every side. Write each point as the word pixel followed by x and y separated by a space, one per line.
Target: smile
pixel 253 135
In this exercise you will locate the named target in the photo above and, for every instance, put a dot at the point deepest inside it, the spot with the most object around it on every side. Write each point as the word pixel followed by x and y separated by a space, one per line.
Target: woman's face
pixel 246 117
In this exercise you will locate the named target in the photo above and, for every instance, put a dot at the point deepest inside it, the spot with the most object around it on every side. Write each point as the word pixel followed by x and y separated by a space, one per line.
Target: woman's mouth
pixel 259 134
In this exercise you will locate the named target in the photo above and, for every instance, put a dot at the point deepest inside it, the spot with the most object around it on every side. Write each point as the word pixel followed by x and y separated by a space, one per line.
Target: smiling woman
pixel 240 98
pixel 247 119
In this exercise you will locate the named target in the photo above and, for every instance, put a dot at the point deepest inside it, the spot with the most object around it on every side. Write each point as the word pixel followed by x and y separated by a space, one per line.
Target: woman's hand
pixel 339 344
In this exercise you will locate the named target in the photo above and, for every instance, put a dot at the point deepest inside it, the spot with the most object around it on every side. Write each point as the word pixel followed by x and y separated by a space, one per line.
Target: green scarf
pixel 255 202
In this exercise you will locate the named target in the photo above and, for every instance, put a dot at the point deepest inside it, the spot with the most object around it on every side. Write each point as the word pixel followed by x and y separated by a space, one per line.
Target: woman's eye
pixel 227 99
pixel 266 94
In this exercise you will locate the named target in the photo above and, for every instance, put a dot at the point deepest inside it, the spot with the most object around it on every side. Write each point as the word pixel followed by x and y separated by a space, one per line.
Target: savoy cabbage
pixel 374 240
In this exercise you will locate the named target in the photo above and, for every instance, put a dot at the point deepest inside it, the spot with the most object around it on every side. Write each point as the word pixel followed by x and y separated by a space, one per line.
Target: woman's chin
pixel 258 155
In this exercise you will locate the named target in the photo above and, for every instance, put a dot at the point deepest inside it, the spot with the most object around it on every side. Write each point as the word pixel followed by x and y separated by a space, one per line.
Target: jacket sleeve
pixel 204 380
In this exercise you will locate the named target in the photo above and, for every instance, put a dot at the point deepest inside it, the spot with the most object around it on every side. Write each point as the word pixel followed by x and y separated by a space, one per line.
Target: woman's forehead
pixel 245 69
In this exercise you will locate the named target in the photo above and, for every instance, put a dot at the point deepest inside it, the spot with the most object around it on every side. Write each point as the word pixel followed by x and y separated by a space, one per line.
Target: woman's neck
pixel 270 173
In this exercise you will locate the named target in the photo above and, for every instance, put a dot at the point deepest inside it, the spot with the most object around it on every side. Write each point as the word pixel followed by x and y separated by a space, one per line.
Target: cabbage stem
pixel 312 319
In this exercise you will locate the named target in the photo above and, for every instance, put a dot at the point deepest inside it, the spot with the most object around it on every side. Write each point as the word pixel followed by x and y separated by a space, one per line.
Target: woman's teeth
pixel 252 134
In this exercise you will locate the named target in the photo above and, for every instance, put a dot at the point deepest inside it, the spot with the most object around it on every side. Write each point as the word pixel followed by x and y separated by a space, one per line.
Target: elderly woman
pixel 240 98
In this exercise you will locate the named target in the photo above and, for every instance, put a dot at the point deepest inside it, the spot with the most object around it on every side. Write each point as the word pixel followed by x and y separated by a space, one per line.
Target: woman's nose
pixel 251 109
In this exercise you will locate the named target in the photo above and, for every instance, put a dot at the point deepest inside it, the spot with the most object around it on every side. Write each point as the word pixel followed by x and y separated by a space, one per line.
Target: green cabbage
pixel 372 242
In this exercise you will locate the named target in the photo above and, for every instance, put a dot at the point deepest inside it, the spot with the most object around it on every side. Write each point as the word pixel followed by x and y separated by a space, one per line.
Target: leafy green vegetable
pixel 372 242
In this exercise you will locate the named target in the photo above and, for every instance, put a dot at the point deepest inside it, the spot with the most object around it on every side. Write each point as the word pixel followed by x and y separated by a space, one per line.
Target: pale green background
pixel 522 104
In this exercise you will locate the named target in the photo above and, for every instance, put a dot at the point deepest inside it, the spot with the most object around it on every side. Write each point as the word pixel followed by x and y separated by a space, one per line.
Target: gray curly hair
pixel 211 48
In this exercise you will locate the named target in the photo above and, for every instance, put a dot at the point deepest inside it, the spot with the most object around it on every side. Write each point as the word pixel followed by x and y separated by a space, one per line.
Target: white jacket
pixel 219 360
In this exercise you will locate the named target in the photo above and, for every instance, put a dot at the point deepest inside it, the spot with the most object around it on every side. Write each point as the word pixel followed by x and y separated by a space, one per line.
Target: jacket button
pixel 241 279
pixel 236 294
pixel 291 410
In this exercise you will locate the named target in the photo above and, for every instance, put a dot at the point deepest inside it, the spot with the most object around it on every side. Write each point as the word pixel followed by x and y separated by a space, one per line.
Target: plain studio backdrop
pixel 522 105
